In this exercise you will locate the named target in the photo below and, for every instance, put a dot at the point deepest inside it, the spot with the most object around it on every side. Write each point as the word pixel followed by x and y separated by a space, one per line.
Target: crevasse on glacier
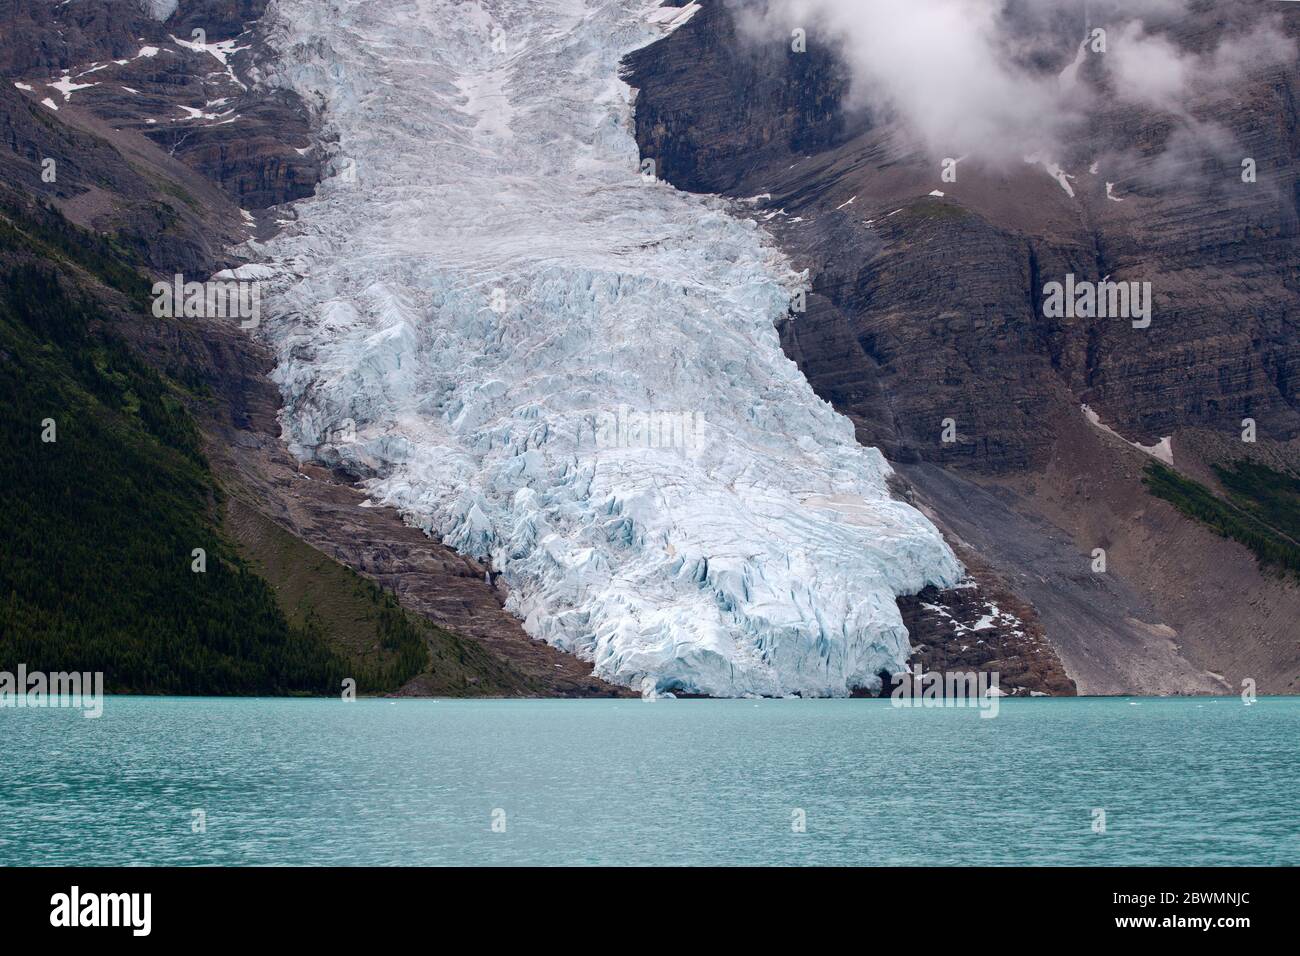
pixel 489 281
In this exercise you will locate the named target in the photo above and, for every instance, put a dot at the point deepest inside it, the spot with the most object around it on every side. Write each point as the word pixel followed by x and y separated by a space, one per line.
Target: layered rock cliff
pixel 926 323
pixel 185 82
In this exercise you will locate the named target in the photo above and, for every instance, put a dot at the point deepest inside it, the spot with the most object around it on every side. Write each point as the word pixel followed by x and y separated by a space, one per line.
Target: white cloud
pixel 966 76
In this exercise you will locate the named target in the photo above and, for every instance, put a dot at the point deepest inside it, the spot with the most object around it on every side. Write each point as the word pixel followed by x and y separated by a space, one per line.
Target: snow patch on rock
pixel 1162 450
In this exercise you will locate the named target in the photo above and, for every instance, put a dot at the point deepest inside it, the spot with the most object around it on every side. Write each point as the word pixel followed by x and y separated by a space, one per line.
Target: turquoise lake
pixel 303 782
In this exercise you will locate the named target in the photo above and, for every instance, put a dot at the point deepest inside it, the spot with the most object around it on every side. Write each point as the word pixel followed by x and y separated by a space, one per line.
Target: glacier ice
pixel 159 9
pixel 499 312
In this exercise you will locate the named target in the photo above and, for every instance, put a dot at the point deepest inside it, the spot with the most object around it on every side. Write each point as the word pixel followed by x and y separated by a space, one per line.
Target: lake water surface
pixel 1181 781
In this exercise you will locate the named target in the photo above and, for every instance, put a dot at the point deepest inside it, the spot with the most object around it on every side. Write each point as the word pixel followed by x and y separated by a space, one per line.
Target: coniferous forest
pixel 107 497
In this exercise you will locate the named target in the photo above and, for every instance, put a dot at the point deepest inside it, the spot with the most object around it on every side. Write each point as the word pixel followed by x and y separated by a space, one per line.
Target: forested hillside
pixel 105 497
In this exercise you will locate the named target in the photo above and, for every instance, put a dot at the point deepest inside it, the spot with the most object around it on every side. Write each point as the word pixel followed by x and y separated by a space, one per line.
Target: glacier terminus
pixel 561 366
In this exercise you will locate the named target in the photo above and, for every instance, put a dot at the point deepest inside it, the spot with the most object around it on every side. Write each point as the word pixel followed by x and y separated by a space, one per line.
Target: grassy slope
pixel 1272 496
pixel 1263 513
pixel 363 622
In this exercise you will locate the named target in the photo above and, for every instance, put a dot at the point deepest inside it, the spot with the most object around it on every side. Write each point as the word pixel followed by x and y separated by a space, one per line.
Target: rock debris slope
pixel 478 307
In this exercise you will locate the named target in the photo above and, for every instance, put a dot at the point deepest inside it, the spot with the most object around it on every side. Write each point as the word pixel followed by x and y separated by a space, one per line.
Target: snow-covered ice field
pixel 488 282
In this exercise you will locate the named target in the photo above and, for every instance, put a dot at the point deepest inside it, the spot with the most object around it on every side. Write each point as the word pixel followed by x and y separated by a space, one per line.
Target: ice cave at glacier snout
pixel 567 369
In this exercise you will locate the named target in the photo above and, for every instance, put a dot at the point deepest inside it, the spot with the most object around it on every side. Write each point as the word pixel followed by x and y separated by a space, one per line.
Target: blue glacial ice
pixel 493 312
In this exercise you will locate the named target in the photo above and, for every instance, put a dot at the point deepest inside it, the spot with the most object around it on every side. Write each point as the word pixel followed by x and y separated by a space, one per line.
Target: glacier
pixel 492 311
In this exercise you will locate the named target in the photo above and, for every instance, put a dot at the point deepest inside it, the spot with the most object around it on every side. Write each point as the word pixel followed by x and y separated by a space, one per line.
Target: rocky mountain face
pixel 176 82
pixel 925 323
pixel 160 144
